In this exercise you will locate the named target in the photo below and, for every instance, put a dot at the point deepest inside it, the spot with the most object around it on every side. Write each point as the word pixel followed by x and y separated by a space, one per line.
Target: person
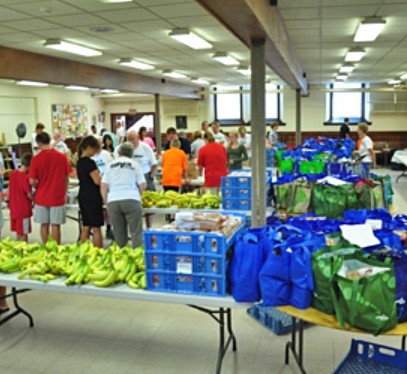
pixel 218 135
pixel 107 141
pixel 204 127
pixel 273 136
pixel 122 184
pixel 144 155
pixel 143 135
pixel 366 155
pixel 344 131
pixel 94 131
pixel 48 173
pixel 172 135
pixel 89 197
pixel 174 167
pixel 246 140
pixel 59 144
pixel 120 133
pixel 236 152
pixel 20 199
pixel 39 128
pixel 197 144
pixel 212 159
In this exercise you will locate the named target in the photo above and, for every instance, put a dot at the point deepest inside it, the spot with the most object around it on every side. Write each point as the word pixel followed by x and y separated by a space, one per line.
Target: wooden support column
pixel 258 129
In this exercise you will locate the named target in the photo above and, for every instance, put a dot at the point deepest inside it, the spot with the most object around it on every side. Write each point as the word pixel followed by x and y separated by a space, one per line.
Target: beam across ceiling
pixel 18 64
pixel 252 20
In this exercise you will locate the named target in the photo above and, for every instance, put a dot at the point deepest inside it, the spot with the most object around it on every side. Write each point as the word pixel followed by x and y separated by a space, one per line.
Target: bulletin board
pixel 70 120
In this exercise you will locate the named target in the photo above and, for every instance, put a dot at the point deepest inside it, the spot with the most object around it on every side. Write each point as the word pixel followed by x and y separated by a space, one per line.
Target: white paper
pixel 360 235
pixel 332 181
pixel 377 224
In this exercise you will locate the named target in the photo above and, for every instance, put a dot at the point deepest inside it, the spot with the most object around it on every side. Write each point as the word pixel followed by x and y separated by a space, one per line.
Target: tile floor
pixel 81 334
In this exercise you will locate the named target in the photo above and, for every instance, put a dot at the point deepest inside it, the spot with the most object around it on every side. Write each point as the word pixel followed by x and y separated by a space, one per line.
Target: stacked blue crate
pixel 187 262
pixel 270 157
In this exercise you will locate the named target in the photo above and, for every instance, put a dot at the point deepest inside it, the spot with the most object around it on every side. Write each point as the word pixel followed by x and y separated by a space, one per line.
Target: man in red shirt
pixel 49 172
pixel 213 159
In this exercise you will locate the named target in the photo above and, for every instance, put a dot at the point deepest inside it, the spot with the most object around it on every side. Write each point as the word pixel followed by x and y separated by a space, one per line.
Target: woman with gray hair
pixel 122 184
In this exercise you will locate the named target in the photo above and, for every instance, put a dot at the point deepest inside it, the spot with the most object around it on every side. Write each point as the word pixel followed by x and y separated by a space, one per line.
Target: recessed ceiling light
pixel 394 81
pixel 190 39
pixel 355 54
pixel 200 81
pixel 32 83
pixel 77 88
pixel 347 68
pixel 109 91
pixel 369 29
pixel 244 70
pixel 101 29
pixel 225 59
pixel 173 74
pixel 71 48
pixel 135 64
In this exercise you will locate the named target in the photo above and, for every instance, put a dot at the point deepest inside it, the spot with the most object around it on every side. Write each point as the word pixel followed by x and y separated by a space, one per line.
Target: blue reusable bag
pixel 400 272
pixel 247 261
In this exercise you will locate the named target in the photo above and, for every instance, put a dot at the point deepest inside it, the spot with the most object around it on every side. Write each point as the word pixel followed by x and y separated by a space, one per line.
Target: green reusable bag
pixel 324 262
pixel 365 197
pixel 378 196
pixel 300 198
pixel 318 200
pixel 284 194
pixel 287 166
pixel 366 302
pixel 312 167
pixel 279 156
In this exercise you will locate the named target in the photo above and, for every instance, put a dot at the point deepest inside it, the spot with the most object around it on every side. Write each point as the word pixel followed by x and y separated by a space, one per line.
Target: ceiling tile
pixel 95 5
pixel 176 10
pixel 156 24
pixel 44 8
pixel 128 15
pixel 78 20
pixel 9 14
pixel 30 24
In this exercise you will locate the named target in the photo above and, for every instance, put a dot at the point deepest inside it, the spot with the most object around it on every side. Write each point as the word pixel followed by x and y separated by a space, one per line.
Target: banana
pixel 110 279
pixel 133 284
pixel 98 276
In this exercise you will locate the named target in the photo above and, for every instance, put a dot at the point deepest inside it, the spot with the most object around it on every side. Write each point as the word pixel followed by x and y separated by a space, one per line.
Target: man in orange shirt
pixel 174 167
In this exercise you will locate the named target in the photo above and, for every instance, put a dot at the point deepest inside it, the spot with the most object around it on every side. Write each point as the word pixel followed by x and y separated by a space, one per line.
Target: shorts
pixel 54 215
pixel 150 182
pixel 92 214
pixel 21 226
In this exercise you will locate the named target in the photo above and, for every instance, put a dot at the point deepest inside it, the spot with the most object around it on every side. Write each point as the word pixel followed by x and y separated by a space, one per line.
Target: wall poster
pixel 70 120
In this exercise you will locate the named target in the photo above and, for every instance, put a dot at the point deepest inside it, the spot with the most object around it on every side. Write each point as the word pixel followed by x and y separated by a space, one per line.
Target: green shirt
pixel 238 155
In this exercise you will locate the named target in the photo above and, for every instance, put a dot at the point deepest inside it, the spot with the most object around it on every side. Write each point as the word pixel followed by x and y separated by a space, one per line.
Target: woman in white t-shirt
pixel 366 154
pixel 122 184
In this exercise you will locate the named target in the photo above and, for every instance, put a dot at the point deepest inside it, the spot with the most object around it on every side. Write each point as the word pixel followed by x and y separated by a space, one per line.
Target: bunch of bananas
pixel 79 263
pixel 149 198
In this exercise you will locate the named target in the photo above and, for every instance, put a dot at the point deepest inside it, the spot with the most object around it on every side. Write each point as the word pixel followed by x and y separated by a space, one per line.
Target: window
pixel 272 103
pixel 341 105
pixel 228 106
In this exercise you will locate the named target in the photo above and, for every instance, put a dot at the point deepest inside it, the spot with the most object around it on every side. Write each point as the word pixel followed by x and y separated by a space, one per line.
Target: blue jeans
pixel 366 166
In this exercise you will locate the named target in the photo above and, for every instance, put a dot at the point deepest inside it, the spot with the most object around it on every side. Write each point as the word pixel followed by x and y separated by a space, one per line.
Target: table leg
pixel 297 352
pixel 225 325
pixel 18 309
pixel 403 174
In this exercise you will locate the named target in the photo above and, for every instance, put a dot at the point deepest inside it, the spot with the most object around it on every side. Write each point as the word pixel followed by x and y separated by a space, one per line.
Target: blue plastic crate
pixel 278 322
pixel 366 357
pixel 198 284
pixel 237 181
pixel 236 203
pixel 186 263
pixel 236 192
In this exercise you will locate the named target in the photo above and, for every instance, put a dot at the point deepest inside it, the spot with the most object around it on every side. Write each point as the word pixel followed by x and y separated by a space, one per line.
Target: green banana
pixel 110 279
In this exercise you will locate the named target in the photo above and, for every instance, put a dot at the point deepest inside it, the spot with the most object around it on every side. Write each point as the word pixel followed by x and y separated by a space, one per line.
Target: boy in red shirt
pixel 20 199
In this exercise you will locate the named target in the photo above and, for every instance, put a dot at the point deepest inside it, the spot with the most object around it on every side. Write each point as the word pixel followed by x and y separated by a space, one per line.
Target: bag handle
pixel 355 290
pixel 334 290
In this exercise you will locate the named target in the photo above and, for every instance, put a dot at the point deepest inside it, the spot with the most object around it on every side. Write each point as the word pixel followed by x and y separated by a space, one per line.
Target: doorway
pixel 134 121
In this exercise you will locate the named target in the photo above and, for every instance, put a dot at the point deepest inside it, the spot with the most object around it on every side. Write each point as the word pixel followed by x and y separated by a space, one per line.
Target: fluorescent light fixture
pixel 347 68
pixel 244 70
pixel 135 64
pixel 225 59
pixel 77 88
pixel 342 77
pixel 355 54
pixel 173 74
pixel 394 81
pixel 32 83
pixel 403 76
pixel 200 81
pixel 369 29
pixel 109 91
pixel 190 39
pixel 71 48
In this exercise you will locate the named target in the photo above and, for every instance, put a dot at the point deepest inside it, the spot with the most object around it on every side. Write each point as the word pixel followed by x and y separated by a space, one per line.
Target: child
pixel 90 198
pixel 20 199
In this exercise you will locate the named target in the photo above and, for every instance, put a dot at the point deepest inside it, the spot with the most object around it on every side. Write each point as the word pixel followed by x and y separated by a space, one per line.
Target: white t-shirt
pixel 220 138
pixel 60 146
pixel 34 144
pixel 247 143
pixel 102 159
pixel 144 155
pixel 196 146
pixel 364 149
pixel 123 176
pixel 120 134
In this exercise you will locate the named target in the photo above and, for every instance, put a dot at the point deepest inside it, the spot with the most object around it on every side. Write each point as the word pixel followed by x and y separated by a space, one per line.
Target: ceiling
pixel 321 31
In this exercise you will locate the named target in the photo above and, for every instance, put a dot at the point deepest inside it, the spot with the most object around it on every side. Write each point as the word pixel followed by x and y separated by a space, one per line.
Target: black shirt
pixel 344 131
pixel 185 145
pixel 88 190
